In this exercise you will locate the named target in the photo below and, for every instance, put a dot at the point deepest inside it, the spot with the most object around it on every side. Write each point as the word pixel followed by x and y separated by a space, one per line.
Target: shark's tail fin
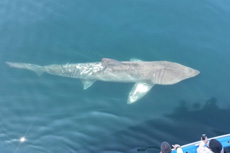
pixel 36 68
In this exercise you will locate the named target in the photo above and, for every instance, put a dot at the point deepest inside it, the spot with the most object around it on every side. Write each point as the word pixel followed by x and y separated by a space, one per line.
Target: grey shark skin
pixel 143 73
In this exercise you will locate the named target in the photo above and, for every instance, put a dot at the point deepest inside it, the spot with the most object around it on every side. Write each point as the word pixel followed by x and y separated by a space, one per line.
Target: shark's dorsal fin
pixel 135 60
pixel 87 83
pixel 108 61
pixel 138 91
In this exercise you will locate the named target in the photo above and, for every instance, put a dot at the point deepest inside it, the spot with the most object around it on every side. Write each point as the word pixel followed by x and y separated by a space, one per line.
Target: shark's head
pixel 173 73
pixel 188 73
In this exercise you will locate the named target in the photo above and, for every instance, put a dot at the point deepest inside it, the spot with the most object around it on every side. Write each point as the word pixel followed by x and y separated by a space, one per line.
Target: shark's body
pixel 144 74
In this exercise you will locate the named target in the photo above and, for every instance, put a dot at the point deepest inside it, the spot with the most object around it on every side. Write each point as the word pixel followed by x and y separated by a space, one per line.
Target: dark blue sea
pixel 55 115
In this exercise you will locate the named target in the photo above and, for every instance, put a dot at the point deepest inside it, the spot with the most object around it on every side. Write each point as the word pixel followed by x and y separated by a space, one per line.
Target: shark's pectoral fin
pixel 87 83
pixel 138 91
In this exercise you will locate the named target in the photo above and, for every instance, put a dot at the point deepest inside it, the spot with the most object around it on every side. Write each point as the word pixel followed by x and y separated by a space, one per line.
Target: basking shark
pixel 143 73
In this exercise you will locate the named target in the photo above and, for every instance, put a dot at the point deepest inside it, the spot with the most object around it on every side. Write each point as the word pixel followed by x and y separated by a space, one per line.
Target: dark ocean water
pixel 56 115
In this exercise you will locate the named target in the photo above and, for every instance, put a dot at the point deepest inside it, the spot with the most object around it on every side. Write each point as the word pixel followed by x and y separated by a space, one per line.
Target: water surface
pixel 56 115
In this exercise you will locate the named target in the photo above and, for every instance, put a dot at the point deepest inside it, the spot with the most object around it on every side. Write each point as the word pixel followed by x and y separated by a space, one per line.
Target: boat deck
pixel 192 147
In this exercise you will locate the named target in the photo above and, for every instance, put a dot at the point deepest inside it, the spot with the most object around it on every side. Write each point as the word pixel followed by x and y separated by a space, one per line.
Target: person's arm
pixel 177 148
pixel 201 147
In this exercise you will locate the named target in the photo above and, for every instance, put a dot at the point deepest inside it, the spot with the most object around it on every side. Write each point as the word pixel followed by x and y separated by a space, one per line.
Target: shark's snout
pixel 197 72
pixel 192 72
